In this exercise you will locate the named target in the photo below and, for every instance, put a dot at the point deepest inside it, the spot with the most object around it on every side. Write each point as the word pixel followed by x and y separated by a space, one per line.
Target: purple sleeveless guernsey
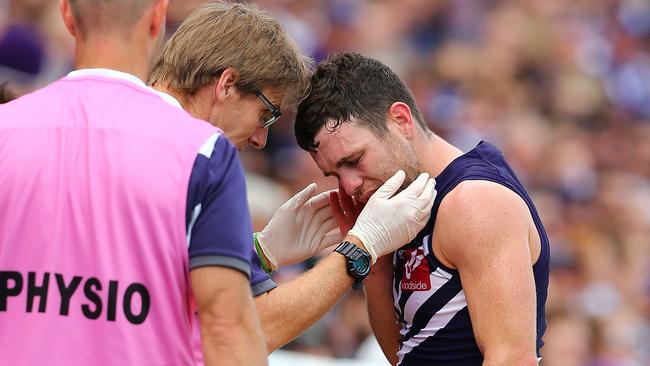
pixel 109 195
pixel 429 298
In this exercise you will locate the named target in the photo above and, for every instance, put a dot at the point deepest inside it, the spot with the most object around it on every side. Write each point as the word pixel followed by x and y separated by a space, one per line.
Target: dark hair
pixel 5 94
pixel 348 85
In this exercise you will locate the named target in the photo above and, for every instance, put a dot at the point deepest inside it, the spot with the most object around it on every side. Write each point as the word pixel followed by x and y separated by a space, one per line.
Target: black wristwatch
pixel 358 262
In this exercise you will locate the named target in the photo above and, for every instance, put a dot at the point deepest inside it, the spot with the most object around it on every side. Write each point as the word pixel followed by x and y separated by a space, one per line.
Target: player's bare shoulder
pixel 476 216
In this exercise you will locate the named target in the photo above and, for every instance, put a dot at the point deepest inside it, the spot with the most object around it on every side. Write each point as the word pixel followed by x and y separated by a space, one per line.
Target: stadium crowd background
pixel 561 86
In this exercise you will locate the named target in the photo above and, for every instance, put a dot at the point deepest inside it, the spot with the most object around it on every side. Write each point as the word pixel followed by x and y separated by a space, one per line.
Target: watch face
pixel 362 265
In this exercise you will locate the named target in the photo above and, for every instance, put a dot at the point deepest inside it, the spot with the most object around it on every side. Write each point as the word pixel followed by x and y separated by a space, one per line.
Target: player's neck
pixel 435 154
pixel 113 54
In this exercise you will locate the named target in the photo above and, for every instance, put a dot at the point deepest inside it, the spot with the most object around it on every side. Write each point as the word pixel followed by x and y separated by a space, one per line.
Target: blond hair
pixel 221 35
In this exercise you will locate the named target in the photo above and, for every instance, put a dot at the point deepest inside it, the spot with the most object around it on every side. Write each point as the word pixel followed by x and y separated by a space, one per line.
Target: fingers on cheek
pixel 333 200
pixel 348 202
pixel 337 210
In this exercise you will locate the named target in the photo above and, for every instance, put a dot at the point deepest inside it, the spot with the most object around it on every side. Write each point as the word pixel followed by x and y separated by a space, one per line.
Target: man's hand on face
pixel 388 221
pixel 345 210
pixel 299 229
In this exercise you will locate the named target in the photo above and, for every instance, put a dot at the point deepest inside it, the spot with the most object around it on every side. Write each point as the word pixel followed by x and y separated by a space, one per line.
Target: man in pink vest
pixel 101 262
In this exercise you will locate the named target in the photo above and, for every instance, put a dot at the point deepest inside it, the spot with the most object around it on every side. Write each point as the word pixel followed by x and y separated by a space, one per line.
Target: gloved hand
pixel 299 229
pixel 386 222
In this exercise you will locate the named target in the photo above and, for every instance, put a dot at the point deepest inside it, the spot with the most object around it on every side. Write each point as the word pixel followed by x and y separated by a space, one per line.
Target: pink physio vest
pixel 93 253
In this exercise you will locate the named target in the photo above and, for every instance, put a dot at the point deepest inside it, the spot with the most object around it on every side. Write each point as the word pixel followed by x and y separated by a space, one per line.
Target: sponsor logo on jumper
pixel 416 271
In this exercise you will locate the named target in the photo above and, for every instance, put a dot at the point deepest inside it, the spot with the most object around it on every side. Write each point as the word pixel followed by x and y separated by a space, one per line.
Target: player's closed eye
pixel 355 161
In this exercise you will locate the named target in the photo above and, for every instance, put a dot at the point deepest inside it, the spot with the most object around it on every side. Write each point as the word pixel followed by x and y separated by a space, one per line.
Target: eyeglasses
pixel 275 111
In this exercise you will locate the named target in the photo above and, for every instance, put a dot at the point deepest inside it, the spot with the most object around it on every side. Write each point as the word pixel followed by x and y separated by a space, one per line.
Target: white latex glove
pixel 299 229
pixel 386 223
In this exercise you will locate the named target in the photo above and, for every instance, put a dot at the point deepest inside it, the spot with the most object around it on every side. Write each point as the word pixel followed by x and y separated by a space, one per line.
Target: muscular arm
pixel 379 297
pixel 230 328
pixel 484 231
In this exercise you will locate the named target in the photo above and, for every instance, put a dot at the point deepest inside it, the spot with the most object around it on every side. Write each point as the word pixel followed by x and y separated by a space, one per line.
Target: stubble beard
pixel 404 158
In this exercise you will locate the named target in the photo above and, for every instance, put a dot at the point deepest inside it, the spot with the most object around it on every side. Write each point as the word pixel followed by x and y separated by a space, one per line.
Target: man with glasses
pixel 275 111
pixel 234 66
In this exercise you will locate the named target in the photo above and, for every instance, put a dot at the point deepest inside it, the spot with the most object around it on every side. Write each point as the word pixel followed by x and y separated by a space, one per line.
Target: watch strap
pixel 352 254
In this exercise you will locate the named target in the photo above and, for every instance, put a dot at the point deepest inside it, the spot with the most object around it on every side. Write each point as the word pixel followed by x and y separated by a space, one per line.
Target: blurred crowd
pixel 561 86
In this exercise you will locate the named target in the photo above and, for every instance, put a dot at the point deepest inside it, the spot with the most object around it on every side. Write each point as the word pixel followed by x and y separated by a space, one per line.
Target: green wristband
pixel 260 253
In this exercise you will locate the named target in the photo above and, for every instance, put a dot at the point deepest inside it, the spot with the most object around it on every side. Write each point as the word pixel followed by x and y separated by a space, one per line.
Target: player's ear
pixel 400 115
pixel 225 86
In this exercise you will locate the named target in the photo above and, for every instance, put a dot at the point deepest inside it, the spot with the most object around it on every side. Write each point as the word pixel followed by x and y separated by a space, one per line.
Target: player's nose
pixel 350 184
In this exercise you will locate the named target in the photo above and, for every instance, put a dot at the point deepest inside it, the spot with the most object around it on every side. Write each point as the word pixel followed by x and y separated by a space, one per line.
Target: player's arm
pixel 378 285
pixel 379 298
pixel 483 230
pixel 219 238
